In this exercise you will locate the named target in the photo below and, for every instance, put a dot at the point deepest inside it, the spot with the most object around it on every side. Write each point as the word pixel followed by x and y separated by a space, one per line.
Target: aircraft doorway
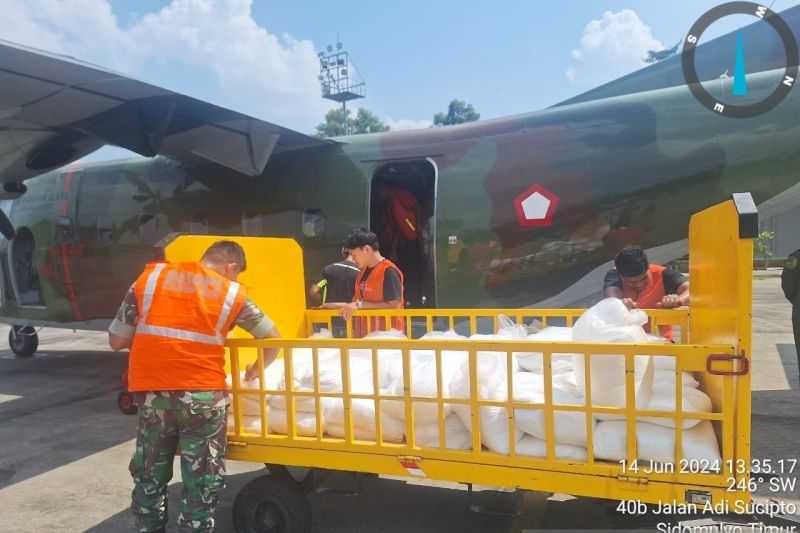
pixel 24 277
pixel 402 214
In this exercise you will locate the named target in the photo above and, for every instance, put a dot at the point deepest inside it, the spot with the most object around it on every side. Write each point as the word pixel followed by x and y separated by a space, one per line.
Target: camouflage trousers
pixel 195 421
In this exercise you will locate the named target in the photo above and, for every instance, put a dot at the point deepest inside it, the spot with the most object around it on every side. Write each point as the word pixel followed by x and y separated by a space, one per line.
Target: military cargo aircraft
pixel 517 211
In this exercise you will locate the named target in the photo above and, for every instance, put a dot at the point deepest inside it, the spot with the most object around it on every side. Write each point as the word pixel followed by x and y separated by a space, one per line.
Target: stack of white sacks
pixel 608 321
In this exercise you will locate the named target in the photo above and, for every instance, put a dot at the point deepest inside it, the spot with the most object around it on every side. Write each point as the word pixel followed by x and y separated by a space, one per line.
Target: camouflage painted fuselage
pixel 627 169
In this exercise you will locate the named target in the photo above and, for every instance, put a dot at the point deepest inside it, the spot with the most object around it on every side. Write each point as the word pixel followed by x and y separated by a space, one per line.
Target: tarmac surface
pixel 65 448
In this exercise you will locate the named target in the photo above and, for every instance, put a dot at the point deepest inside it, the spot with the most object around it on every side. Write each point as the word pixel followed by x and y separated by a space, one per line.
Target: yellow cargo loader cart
pixel 293 426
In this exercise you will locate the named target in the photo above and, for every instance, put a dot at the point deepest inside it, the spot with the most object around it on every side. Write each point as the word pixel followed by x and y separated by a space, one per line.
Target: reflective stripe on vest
pixel 233 290
pixel 150 289
pixel 181 334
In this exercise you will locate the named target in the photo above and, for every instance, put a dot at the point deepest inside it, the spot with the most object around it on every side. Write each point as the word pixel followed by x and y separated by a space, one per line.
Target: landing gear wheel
pixel 23 340
pixel 271 504
pixel 125 403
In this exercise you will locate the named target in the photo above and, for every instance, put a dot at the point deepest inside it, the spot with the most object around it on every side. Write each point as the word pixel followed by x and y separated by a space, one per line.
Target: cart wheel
pixel 307 484
pixel 125 403
pixel 270 504
pixel 23 340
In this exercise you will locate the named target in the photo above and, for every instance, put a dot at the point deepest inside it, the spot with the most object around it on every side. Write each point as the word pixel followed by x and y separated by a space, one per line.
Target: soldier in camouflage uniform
pixel 790 283
pixel 195 420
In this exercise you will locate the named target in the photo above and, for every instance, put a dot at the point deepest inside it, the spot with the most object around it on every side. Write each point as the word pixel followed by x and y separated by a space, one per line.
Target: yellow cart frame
pixel 715 346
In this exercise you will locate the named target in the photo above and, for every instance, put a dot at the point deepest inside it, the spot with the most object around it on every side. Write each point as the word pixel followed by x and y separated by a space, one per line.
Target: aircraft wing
pixel 55 109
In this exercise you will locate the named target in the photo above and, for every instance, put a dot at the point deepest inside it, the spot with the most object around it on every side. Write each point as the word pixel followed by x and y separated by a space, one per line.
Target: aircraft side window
pixel 313 223
pixel 64 230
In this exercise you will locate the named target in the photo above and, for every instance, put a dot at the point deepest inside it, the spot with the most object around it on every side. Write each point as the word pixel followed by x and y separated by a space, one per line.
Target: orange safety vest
pixel 371 290
pixel 185 313
pixel 650 296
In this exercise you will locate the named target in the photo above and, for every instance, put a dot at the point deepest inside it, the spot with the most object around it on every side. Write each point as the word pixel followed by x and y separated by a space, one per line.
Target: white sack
pixel 533 361
pixel 250 424
pixel 663 399
pixel 305 423
pixel 423 384
pixel 511 330
pixel 536 447
pixel 439 335
pixel 457 437
pixel 249 403
pixel 569 427
pixel 656 443
pixel 303 404
pixel 273 378
pixel 330 380
pixel 492 385
pixel 665 371
pixel 494 427
pixel 608 321
pixel 363 413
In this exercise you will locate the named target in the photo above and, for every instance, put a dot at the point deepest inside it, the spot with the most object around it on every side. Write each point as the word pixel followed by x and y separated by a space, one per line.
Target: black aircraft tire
pixel 23 340
pixel 271 504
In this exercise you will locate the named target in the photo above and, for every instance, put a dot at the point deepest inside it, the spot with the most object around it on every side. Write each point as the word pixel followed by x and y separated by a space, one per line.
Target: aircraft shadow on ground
pixel 67 410
pixel 382 506
pixel 788 355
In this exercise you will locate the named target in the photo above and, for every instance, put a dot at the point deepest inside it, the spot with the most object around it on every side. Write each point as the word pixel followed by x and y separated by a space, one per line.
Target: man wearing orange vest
pixel 379 284
pixel 643 285
pixel 175 319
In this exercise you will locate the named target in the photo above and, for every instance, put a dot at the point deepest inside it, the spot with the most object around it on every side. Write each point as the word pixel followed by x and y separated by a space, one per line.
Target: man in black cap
pixel 338 281
pixel 790 280
pixel 336 286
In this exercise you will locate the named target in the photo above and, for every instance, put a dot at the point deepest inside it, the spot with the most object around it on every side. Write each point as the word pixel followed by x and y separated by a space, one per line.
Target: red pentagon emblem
pixel 536 206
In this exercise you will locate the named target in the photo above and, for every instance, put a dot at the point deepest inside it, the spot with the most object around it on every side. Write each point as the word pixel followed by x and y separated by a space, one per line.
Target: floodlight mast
pixel 338 77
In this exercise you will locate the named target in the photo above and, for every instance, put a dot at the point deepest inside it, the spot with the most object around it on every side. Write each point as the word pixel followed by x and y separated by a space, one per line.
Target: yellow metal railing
pixel 714 344
pixel 467 321
pixel 688 358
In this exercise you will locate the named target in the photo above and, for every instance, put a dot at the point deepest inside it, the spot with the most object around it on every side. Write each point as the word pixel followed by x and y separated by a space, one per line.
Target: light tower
pixel 338 77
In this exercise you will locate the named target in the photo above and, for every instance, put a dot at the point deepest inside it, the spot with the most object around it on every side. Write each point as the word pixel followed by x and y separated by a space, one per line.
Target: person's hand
pixel 630 303
pixel 252 372
pixel 348 310
pixel 669 301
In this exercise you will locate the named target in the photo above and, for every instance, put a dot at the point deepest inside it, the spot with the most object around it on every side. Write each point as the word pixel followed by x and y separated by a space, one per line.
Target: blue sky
pixel 258 56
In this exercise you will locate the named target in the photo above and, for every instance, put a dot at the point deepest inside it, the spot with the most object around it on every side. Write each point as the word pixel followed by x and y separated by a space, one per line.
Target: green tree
pixel 367 122
pixel 339 122
pixel 458 112
pixel 762 246
pixel 336 123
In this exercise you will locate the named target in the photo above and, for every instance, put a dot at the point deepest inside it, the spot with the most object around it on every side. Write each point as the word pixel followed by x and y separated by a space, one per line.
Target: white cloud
pixel 612 46
pixel 408 124
pixel 214 47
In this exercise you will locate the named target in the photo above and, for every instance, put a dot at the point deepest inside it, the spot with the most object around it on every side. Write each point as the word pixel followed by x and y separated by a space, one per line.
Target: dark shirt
pixel 789 278
pixel 339 281
pixel 672 279
pixel 392 286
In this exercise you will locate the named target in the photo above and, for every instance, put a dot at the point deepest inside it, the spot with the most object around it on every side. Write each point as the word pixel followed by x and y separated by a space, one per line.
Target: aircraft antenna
pixel 338 76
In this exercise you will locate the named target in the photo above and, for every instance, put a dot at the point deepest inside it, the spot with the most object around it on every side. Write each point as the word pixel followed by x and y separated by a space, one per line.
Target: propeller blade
pixel 6 227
